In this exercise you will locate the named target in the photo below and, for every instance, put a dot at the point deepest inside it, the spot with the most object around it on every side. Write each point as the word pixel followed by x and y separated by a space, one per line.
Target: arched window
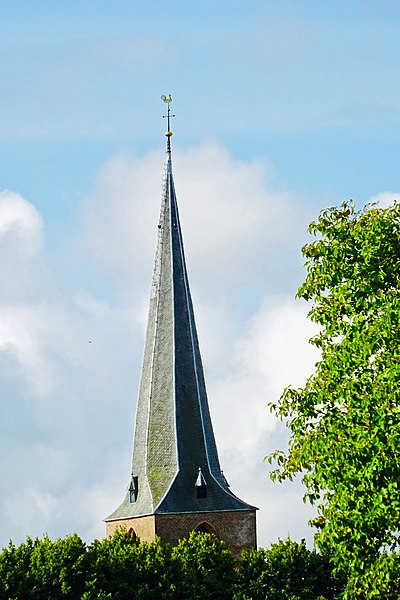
pixel 132 533
pixel 205 527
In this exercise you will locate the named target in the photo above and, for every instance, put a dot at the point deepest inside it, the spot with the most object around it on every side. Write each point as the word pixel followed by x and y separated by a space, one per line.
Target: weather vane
pixel 168 115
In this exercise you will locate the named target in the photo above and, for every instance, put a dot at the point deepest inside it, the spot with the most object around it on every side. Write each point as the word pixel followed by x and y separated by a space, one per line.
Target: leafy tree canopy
pixel 286 571
pixel 43 569
pixel 207 566
pixel 345 422
pixel 121 567
pixel 198 568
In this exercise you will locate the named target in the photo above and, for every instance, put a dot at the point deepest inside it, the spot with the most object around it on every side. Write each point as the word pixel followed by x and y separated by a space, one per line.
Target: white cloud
pixel 20 336
pixel 20 219
pixel 235 226
pixel 77 353
pixel 277 347
pixel 274 44
pixel 271 353
pixel 21 240
pixel 121 214
pixel 231 215
pixel 384 199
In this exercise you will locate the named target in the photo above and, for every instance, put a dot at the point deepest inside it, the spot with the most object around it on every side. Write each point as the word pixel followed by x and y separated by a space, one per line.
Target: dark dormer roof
pixel 173 435
pixel 200 481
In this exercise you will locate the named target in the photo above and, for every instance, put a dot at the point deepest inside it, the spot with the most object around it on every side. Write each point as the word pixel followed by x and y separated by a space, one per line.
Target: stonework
pixel 237 529
pixel 142 527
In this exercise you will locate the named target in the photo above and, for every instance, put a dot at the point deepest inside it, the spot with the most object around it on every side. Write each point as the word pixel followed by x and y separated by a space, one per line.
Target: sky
pixel 282 109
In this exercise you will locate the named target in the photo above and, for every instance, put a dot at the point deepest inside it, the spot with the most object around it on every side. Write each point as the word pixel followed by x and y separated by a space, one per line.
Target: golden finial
pixel 168 115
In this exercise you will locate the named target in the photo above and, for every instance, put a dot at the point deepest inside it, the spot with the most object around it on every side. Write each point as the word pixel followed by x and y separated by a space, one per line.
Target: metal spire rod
pixel 168 115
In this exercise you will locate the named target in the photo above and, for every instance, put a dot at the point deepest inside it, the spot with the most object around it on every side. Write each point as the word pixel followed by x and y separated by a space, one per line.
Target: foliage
pixel 286 571
pixel 118 568
pixel 121 567
pixel 42 569
pixel 345 422
pixel 207 568
pixel 198 568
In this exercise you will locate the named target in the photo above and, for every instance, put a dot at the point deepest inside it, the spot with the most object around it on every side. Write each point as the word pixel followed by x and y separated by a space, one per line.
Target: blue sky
pixel 281 110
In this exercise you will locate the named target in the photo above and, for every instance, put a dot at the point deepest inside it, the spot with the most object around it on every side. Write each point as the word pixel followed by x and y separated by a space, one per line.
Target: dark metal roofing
pixel 173 435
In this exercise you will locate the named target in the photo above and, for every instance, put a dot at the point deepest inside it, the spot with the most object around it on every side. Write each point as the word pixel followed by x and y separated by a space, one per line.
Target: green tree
pixel 123 568
pixel 15 571
pixel 43 570
pixel 207 568
pixel 345 422
pixel 286 571
pixel 59 568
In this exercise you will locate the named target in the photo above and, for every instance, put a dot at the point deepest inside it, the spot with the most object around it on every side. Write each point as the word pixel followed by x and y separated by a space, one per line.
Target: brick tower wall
pixel 143 527
pixel 236 528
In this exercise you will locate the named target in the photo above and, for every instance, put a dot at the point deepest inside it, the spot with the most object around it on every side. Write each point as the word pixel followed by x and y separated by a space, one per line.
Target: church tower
pixel 176 484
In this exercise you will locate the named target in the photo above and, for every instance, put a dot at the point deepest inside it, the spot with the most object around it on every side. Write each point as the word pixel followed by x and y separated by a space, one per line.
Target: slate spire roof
pixel 174 439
